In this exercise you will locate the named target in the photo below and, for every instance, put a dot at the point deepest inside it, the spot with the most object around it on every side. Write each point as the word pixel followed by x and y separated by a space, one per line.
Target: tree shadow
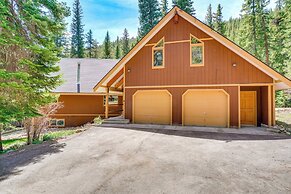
pixel 222 136
pixel 10 162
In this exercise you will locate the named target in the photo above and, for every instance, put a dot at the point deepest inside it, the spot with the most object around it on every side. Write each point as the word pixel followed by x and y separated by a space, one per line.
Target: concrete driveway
pixel 112 160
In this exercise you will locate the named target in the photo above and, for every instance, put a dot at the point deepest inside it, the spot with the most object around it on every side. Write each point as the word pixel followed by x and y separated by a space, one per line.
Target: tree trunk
pixel 266 43
pixel 1 146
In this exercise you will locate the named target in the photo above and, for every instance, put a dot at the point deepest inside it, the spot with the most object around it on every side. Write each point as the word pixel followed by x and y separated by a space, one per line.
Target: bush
pixel 98 120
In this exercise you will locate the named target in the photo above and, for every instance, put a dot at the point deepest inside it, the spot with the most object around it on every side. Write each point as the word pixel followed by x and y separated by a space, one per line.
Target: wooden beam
pixel 107 103
pixel 113 89
pixel 115 78
pixel 269 106
pixel 238 93
pixel 119 83
pixel 274 106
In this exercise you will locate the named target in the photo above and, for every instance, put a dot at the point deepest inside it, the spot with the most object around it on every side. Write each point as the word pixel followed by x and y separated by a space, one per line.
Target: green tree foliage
pixel 117 49
pixel 186 5
pixel 209 16
pixel 89 42
pixel 95 49
pixel 266 34
pixel 164 7
pixel 77 41
pixel 107 47
pixel 28 56
pixel 218 23
pixel 125 42
pixel 149 15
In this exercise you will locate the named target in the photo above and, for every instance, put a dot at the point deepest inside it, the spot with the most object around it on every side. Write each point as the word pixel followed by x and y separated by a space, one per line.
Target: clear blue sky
pixel 115 15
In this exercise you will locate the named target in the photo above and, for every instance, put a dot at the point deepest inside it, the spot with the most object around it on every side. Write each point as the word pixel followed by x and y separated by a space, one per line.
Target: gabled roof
pixel 281 82
pixel 92 71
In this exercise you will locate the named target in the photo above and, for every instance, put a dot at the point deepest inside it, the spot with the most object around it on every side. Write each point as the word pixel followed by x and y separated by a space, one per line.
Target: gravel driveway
pixel 110 160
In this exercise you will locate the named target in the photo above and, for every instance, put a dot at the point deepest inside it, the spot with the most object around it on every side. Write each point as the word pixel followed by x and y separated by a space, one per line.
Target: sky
pixel 115 15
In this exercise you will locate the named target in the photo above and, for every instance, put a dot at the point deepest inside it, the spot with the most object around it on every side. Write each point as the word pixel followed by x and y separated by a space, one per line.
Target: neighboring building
pixel 83 106
pixel 183 72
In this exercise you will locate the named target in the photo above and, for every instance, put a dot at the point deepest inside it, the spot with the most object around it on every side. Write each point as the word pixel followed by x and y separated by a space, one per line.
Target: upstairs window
pixel 158 55
pixel 197 52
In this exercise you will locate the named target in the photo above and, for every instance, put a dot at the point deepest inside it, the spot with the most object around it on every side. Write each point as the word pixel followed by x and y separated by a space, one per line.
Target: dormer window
pixel 197 52
pixel 158 55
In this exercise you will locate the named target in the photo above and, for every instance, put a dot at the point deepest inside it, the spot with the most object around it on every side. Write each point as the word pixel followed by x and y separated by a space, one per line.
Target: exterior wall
pixel 177 102
pixel 80 109
pixel 217 67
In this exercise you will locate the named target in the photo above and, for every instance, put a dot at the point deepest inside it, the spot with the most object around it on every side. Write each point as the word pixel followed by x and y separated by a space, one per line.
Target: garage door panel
pixel 152 106
pixel 205 108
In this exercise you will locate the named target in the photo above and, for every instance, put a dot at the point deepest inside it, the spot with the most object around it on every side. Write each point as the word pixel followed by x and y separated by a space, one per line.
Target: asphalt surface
pixel 112 160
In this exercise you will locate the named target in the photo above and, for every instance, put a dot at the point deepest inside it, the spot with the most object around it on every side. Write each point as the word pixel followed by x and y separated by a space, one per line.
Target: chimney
pixel 78 77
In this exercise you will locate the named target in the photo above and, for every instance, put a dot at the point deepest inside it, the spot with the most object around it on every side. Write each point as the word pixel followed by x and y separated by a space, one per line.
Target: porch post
pixel 269 106
pixel 107 103
pixel 238 94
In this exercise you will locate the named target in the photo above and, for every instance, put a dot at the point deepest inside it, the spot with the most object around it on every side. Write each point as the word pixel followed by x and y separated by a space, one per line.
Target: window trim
pixel 197 44
pixel 104 101
pixel 154 48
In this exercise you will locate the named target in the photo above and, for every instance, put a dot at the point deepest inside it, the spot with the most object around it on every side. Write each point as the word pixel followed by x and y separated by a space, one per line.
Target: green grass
pixel 13 144
pixel 57 134
pixel 283 120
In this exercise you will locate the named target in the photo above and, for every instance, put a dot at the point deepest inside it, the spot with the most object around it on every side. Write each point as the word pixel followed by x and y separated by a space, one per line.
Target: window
pixel 197 52
pixel 158 55
pixel 57 123
pixel 111 100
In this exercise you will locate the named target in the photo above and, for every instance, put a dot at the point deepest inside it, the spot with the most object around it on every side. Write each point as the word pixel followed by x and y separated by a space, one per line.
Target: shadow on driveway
pixel 222 136
pixel 10 162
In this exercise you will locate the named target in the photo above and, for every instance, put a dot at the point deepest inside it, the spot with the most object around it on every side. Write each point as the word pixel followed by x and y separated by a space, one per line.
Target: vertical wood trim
pixel 238 94
pixel 274 106
pixel 106 103
pixel 269 106
pixel 123 100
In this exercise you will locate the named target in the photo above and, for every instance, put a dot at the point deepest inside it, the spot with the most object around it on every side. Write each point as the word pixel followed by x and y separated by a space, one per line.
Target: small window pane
pixel 194 40
pixel 158 58
pixel 60 122
pixel 197 55
pixel 160 44
pixel 53 122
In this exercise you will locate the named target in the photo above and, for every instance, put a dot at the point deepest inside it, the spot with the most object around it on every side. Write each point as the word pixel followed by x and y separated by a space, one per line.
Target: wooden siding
pixel 177 103
pixel 81 109
pixel 217 67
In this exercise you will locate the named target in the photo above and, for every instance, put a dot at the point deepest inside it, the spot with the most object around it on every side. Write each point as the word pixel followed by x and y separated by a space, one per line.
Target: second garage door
pixel 152 107
pixel 206 108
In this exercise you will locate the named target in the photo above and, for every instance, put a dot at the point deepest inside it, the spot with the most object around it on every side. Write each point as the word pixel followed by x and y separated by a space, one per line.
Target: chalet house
pixel 80 104
pixel 184 73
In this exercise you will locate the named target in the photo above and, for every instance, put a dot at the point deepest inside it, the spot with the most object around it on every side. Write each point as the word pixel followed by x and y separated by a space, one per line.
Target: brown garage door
pixel 152 106
pixel 206 108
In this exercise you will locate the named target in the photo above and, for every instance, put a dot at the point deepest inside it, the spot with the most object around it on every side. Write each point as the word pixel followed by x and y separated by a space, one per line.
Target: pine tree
pixel 149 15
pixel 95 49
pixel 186 5
pixel 125 42
pixel 89 42
pixel 218 20
pixel 209 16
pixel 107 47
pixel 248 32
pixel 164 7
pixel 117 50
pixel 28 57
pixel 77 42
